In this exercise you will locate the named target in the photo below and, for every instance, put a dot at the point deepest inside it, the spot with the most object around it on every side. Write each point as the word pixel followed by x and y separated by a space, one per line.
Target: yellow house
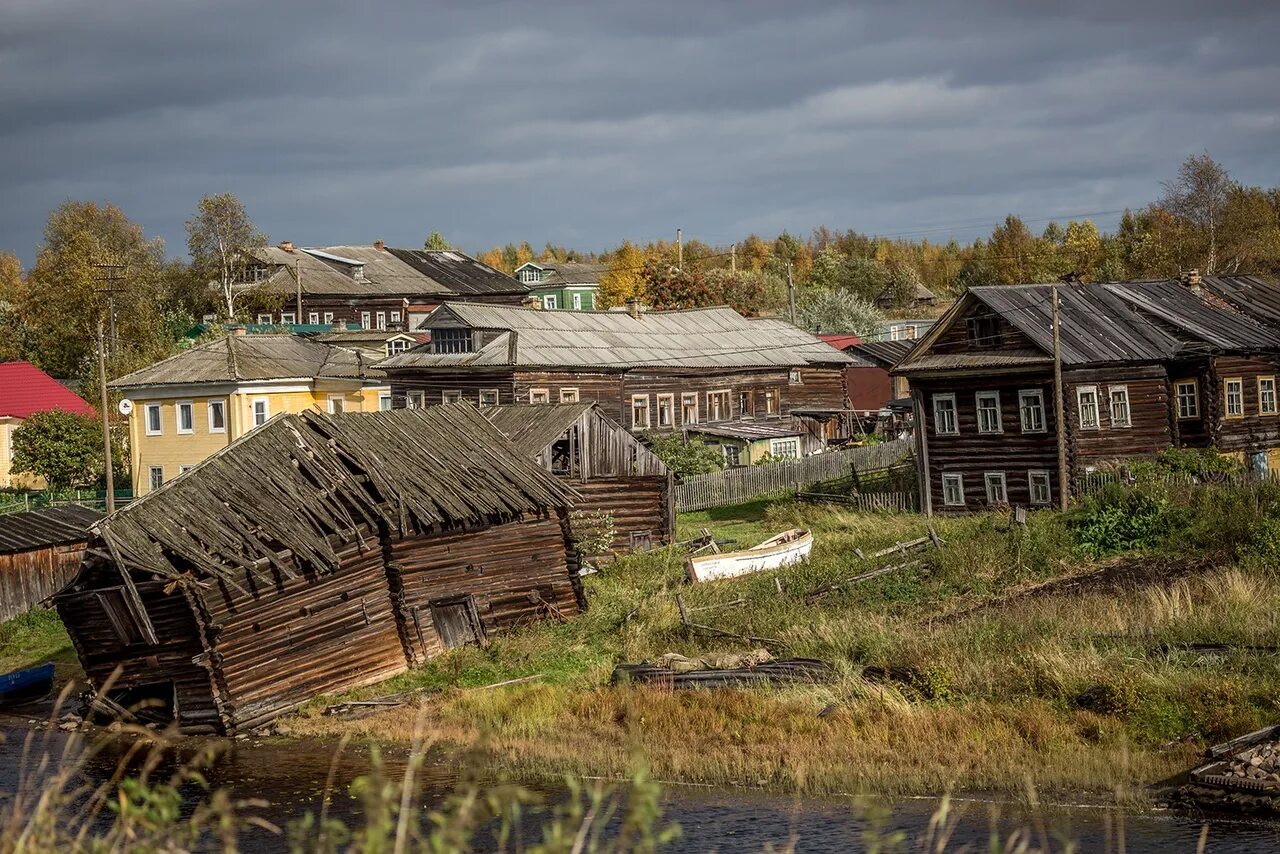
pixel 187 407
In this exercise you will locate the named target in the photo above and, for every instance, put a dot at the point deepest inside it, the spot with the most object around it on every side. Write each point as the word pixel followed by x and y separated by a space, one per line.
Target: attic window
pixel 357 272
pixel 530 274
pixel 254 273
pixel 451 340
pixel 984 331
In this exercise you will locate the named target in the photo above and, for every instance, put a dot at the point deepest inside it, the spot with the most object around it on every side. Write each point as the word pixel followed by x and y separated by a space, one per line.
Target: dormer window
pixel 357 272
pixel 530 275
pixel 396 345
pixel 254 273
pixel 450 340
pixel 984 331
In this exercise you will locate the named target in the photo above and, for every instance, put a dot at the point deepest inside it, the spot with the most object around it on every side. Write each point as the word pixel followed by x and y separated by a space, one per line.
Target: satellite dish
pixel 126 406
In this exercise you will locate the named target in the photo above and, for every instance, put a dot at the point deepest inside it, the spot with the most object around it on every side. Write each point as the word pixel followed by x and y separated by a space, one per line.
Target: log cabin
pixel 40 551
pixel 649 371
pixel 317 554
pixel 1145 366
pixel 609 468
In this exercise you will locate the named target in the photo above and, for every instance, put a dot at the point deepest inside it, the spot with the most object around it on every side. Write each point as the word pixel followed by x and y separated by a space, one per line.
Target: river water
pixel 291 775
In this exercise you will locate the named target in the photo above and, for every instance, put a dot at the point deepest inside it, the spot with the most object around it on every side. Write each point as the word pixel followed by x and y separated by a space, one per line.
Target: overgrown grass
pixel 34 638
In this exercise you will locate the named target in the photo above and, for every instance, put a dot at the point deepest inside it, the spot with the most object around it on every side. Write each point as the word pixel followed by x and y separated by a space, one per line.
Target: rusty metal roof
pixel 51 526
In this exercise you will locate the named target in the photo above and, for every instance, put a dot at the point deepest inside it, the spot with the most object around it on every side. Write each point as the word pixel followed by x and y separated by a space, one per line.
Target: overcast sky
pixel 344 122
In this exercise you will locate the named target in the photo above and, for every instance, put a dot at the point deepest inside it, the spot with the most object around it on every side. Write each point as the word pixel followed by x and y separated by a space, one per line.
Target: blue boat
pixel 22 686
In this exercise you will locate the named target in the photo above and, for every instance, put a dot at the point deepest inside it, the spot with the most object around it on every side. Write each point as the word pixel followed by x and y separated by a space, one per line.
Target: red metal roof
pixel 25 390
pixel 841 341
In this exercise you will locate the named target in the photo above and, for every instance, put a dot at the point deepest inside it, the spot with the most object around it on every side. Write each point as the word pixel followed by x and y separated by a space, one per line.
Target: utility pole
pixel 733 258
pixel 112 272
pixel 679 250
pixel 791 294
pixel 297 280
pixel 106 421
pixel 1058 407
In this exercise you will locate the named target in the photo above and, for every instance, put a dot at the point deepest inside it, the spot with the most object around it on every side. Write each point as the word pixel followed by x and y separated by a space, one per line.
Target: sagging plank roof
pixel 51 526
pixel 300 479
pixel 532 428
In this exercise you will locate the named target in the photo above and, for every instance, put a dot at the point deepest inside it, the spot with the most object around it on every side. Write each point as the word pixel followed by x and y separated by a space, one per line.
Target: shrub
pixel 685 458
pixel 1120 518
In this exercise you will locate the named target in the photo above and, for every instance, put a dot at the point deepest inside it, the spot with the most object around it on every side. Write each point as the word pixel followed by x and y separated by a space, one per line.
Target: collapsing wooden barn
pixel 317 554
pixel 611 470
pixel 40 551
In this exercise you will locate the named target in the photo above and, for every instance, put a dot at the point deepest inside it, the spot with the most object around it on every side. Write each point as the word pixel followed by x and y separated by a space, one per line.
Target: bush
pixel 685 458
pixel 63 448
pixel 1121 518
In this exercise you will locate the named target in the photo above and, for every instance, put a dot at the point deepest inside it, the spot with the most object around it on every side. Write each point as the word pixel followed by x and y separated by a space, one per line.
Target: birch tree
pixel 217 237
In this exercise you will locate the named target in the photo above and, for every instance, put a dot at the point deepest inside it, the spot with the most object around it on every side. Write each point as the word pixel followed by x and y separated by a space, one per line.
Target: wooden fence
pixel 870 502
pixel 21 502
pixel 734 486
pixel 1093 482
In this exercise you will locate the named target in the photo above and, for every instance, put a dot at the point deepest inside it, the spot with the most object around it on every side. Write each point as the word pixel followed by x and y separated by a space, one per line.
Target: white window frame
pixel 1274 409
pixel 1038 396
pixel 264 318
pixel 950 398
pixel 550 303
pixel 775 444
pixel 1127 421
pixel 686 397
pixel 396 346
pixel 635 424
pixel 772 401
pixel 1043 475
pixel 577 301
pixel 977 403
pixel 990 477
pixel 313 318
pixel 543 393
pixel 191 415
pixel 486 394
pixel 366 320
pixel 671 409
pixel 184 469
pixel 956 479
pixel 340 399
pixel 395 317
pixel 288 317
pixel 147 409
pixel 416 400
pixel 569 395
pixel 1097 407
pixel 328 317
pixel 727 414
pixel 221 406
pixel 266 410
pixel 151 477
pixel 451 395
pixel 384 401
pixel 380 319
pixel 794 376
pixel 1178 386
pixel 1227 382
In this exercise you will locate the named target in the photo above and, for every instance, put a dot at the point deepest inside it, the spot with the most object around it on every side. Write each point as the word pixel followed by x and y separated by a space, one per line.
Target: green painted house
pixel 563 284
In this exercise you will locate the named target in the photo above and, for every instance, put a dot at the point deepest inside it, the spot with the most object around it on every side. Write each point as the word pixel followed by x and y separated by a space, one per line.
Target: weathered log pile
pixel 317 554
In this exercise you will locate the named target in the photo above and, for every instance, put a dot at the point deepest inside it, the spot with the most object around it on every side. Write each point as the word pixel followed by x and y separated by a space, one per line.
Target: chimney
pixel 236 329
pixel 286 245
pixel 532 301
pixel 379 245
pixel 633 308
pixel 1191 278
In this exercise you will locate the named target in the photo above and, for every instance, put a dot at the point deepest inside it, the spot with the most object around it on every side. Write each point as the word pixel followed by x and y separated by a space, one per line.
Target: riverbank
pixel 1006 657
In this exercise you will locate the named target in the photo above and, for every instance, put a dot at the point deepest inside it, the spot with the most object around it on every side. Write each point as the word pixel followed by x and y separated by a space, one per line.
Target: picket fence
pixel 20 502
pixel 734 486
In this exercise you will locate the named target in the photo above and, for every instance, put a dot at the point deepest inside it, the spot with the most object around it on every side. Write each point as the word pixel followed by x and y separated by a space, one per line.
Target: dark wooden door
pixel 456 622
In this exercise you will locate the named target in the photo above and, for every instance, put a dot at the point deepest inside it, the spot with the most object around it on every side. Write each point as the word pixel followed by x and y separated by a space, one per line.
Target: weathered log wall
pixel 639 505
pixel 29 578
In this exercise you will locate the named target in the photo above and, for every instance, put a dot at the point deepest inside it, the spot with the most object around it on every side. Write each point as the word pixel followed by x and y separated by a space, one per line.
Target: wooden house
pixel 1145 366
pixel 610 469
pixel 659 371
pixel 40 551
pixel 24 391
pixel 319 553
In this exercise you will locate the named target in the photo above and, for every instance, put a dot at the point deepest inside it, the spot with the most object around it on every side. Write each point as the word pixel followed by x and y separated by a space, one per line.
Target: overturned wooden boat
pixel 783 550
pixel 25 686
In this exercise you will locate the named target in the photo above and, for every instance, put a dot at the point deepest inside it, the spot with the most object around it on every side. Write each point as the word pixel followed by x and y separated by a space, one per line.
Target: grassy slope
pixel 34 638
pixel 983 701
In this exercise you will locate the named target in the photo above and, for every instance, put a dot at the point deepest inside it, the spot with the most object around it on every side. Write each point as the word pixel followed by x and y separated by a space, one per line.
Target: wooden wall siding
pixel 819 388
pixel 1254 431
pixel 29 578
pixel 971 454
pixel 602 388
pixel 174 659
pixel 955 338
pixel 434 384
pixel 599 448
pixel 1148 412
pixel 637 505
pixel 512 571
pixel 1193 432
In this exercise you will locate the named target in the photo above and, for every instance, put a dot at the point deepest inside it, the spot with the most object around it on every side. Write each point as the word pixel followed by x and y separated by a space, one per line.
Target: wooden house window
pixel 1119 395
pixel 381 319
pixel 328 317
pixel 539 395
pixel 984 331
pixel 788 449
pixel 156 476
pixel 550 302
pixel 794 377
pixel 568 395
pixel 186 417
pixel 732 455
pixel 337 404
pixel 953 490
pixel 746 406
pixel 488 397
pixel 944 415
pixel 996 492
pixel 666 410
pixel 639 412
pixel 152 411
pixel 1031 410
pixel 313 317
pixel 770 402
pixel 396 346
pixel 365 321
pixel 217 416
pixel 264 317
pixel 384 402
pixel 416 400
pixel 1267 396
pixel 288 317
pixel 1038 483
pixel 689 408
pixel 577 302
pixel 718 406
pixel 1087 404
pixel 988 403
pixel 261 411
pixel 1187 393
pixel 450 340
pixel 452 395
pixel 1234 394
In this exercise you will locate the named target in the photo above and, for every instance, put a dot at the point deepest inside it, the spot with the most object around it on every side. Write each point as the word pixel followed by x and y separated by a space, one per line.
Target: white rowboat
pixel 783 550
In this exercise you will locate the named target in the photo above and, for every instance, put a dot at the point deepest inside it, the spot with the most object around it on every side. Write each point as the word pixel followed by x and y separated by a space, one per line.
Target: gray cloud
pixel 571 122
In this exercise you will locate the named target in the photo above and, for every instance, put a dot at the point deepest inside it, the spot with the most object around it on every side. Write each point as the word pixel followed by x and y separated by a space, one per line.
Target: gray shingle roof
pixel 236 358
pixel 51 526
pixel 698 338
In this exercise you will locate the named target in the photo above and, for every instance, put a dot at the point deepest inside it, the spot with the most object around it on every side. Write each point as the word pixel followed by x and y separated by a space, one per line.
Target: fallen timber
pixel 1243 773
pixel 930 540
pixel 787 671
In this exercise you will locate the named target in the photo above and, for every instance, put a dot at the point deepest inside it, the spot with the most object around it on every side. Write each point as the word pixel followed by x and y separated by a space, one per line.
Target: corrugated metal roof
pixel 236 358
pixel 384 272
pixel 698 338
pixel 569 272
pixel 52 526
pixel 748 430
pixel 458 273
pixel 884 353
pixel 976 359
pixel 1196 314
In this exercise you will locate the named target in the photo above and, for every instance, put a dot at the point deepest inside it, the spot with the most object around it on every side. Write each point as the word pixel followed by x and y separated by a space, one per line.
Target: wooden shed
pixel 40 551
pixel 317 554
pixel 611 470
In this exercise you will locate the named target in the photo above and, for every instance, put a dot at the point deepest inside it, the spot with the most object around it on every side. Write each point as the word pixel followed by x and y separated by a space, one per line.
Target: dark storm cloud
pixel 581 124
